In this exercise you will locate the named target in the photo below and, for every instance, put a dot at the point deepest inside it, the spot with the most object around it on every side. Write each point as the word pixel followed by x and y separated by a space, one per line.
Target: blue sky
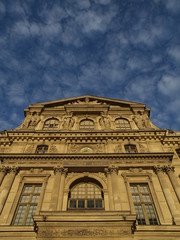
pixel 124 49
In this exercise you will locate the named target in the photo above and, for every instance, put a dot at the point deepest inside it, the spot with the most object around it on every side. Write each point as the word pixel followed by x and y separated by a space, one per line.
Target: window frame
pixel 44 149
pixel 28 178
pixel 88 128
pixel 27 204
pixel 86 198
pixel 124 125
pixel 143 203
pixel 129 148
pixel 51 128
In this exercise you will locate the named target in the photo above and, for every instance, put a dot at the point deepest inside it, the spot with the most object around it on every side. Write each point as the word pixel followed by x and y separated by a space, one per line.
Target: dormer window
pixel 41 149
pixel 51 124
pixel 86 125
pixel 130 148
pixel 122 123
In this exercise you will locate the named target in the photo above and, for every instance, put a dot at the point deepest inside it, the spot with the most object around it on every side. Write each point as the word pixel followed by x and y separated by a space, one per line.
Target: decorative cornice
pixel 90 156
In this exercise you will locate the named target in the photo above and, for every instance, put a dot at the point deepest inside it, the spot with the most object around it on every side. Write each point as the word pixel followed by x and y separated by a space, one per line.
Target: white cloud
pixel 103 2
pixel 169 85
pixel 172 5
pixel 174 52
pixel 2 10
pixel 95 21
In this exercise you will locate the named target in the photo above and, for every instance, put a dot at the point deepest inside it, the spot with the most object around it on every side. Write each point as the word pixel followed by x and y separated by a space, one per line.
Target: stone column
pixel 110 192
pixel 6 186
pixel 116 188
pixel 61 188
pixel 170 172
pixel 3 172
pixel 167 193
pixel 55 191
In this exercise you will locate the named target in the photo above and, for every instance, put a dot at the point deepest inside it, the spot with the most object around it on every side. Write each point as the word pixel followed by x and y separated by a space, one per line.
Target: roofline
pixel 88 96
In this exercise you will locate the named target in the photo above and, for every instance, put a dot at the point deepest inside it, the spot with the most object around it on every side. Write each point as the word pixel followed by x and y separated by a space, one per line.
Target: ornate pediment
pixel 102 113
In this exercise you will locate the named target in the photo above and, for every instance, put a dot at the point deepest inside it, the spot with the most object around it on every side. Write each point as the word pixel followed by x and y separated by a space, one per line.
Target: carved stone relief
pixel 30 149
pixel 118 148
pixel 143 147
pixel 53 149
pixel 105 121
pixel 84 232
pixel 68 121
pixel 142 120
pixel 82 148
pixel 30 121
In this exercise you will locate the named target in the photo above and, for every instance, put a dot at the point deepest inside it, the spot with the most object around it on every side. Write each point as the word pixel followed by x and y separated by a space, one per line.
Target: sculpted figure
pixel 138 119
pixel 68 121
pixel 25 123
pixel 147 121
pixel 105 121
pixel 34 120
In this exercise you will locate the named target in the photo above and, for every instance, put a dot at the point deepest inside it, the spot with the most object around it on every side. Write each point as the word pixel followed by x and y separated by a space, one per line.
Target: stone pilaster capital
pixel 107 171
pixel 158 169
pixel 111 169
pixel 168 169
pixel 60 169
pixel 14 170
pixel 4 169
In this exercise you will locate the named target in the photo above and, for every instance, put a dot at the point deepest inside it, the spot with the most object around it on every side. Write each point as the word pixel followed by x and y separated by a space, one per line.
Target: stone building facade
pixel 89 168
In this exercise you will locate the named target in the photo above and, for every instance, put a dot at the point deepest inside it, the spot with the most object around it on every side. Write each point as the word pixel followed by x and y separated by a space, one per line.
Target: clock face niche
pixel 86 150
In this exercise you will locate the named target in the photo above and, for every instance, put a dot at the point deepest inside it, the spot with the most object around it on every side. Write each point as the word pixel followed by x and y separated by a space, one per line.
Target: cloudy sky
pixel 124 49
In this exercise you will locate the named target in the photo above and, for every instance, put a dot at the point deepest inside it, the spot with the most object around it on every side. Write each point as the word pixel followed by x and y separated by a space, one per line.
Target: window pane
pixel 86 124
pixel 81 203
pixel 90 203
pixel 122 124
pixel 87 195
pixel 143 204
pixel 72 203
pixel 98 203
pixel 27 205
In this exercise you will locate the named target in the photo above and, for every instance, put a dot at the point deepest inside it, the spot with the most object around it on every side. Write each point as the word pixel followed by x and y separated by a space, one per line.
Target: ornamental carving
pixel 52 149
pixel 142 120
pixel 143 147
pixel 30 121
pixel 68 121
pixel 86 101
pixel 84 232
pixel 74 148
pixel 118 149
pixel 86 150
pixel 99 148
pixel 105 121
pixel 30 149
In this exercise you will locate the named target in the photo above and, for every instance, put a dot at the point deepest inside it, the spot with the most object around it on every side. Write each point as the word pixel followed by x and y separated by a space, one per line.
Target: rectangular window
pixel 143 204
pixel 130 148
pixel 27 204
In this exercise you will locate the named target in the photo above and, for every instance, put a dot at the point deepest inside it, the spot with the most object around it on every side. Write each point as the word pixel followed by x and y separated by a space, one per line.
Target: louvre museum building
pixel 89 168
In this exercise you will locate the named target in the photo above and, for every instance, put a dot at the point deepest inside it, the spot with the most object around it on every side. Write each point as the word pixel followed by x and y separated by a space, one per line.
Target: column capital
pixel 168 169
pixel 60 170
pixel 4 169
pixel 14 170
pixel 111 169
pixel 158 169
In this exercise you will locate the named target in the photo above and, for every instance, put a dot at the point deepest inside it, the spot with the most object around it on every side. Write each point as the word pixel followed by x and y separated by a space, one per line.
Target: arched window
pixel 130 148
pixel 51 124
pixel 86 125
pixel 41 149
pixel 122 123
pixel 86 194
